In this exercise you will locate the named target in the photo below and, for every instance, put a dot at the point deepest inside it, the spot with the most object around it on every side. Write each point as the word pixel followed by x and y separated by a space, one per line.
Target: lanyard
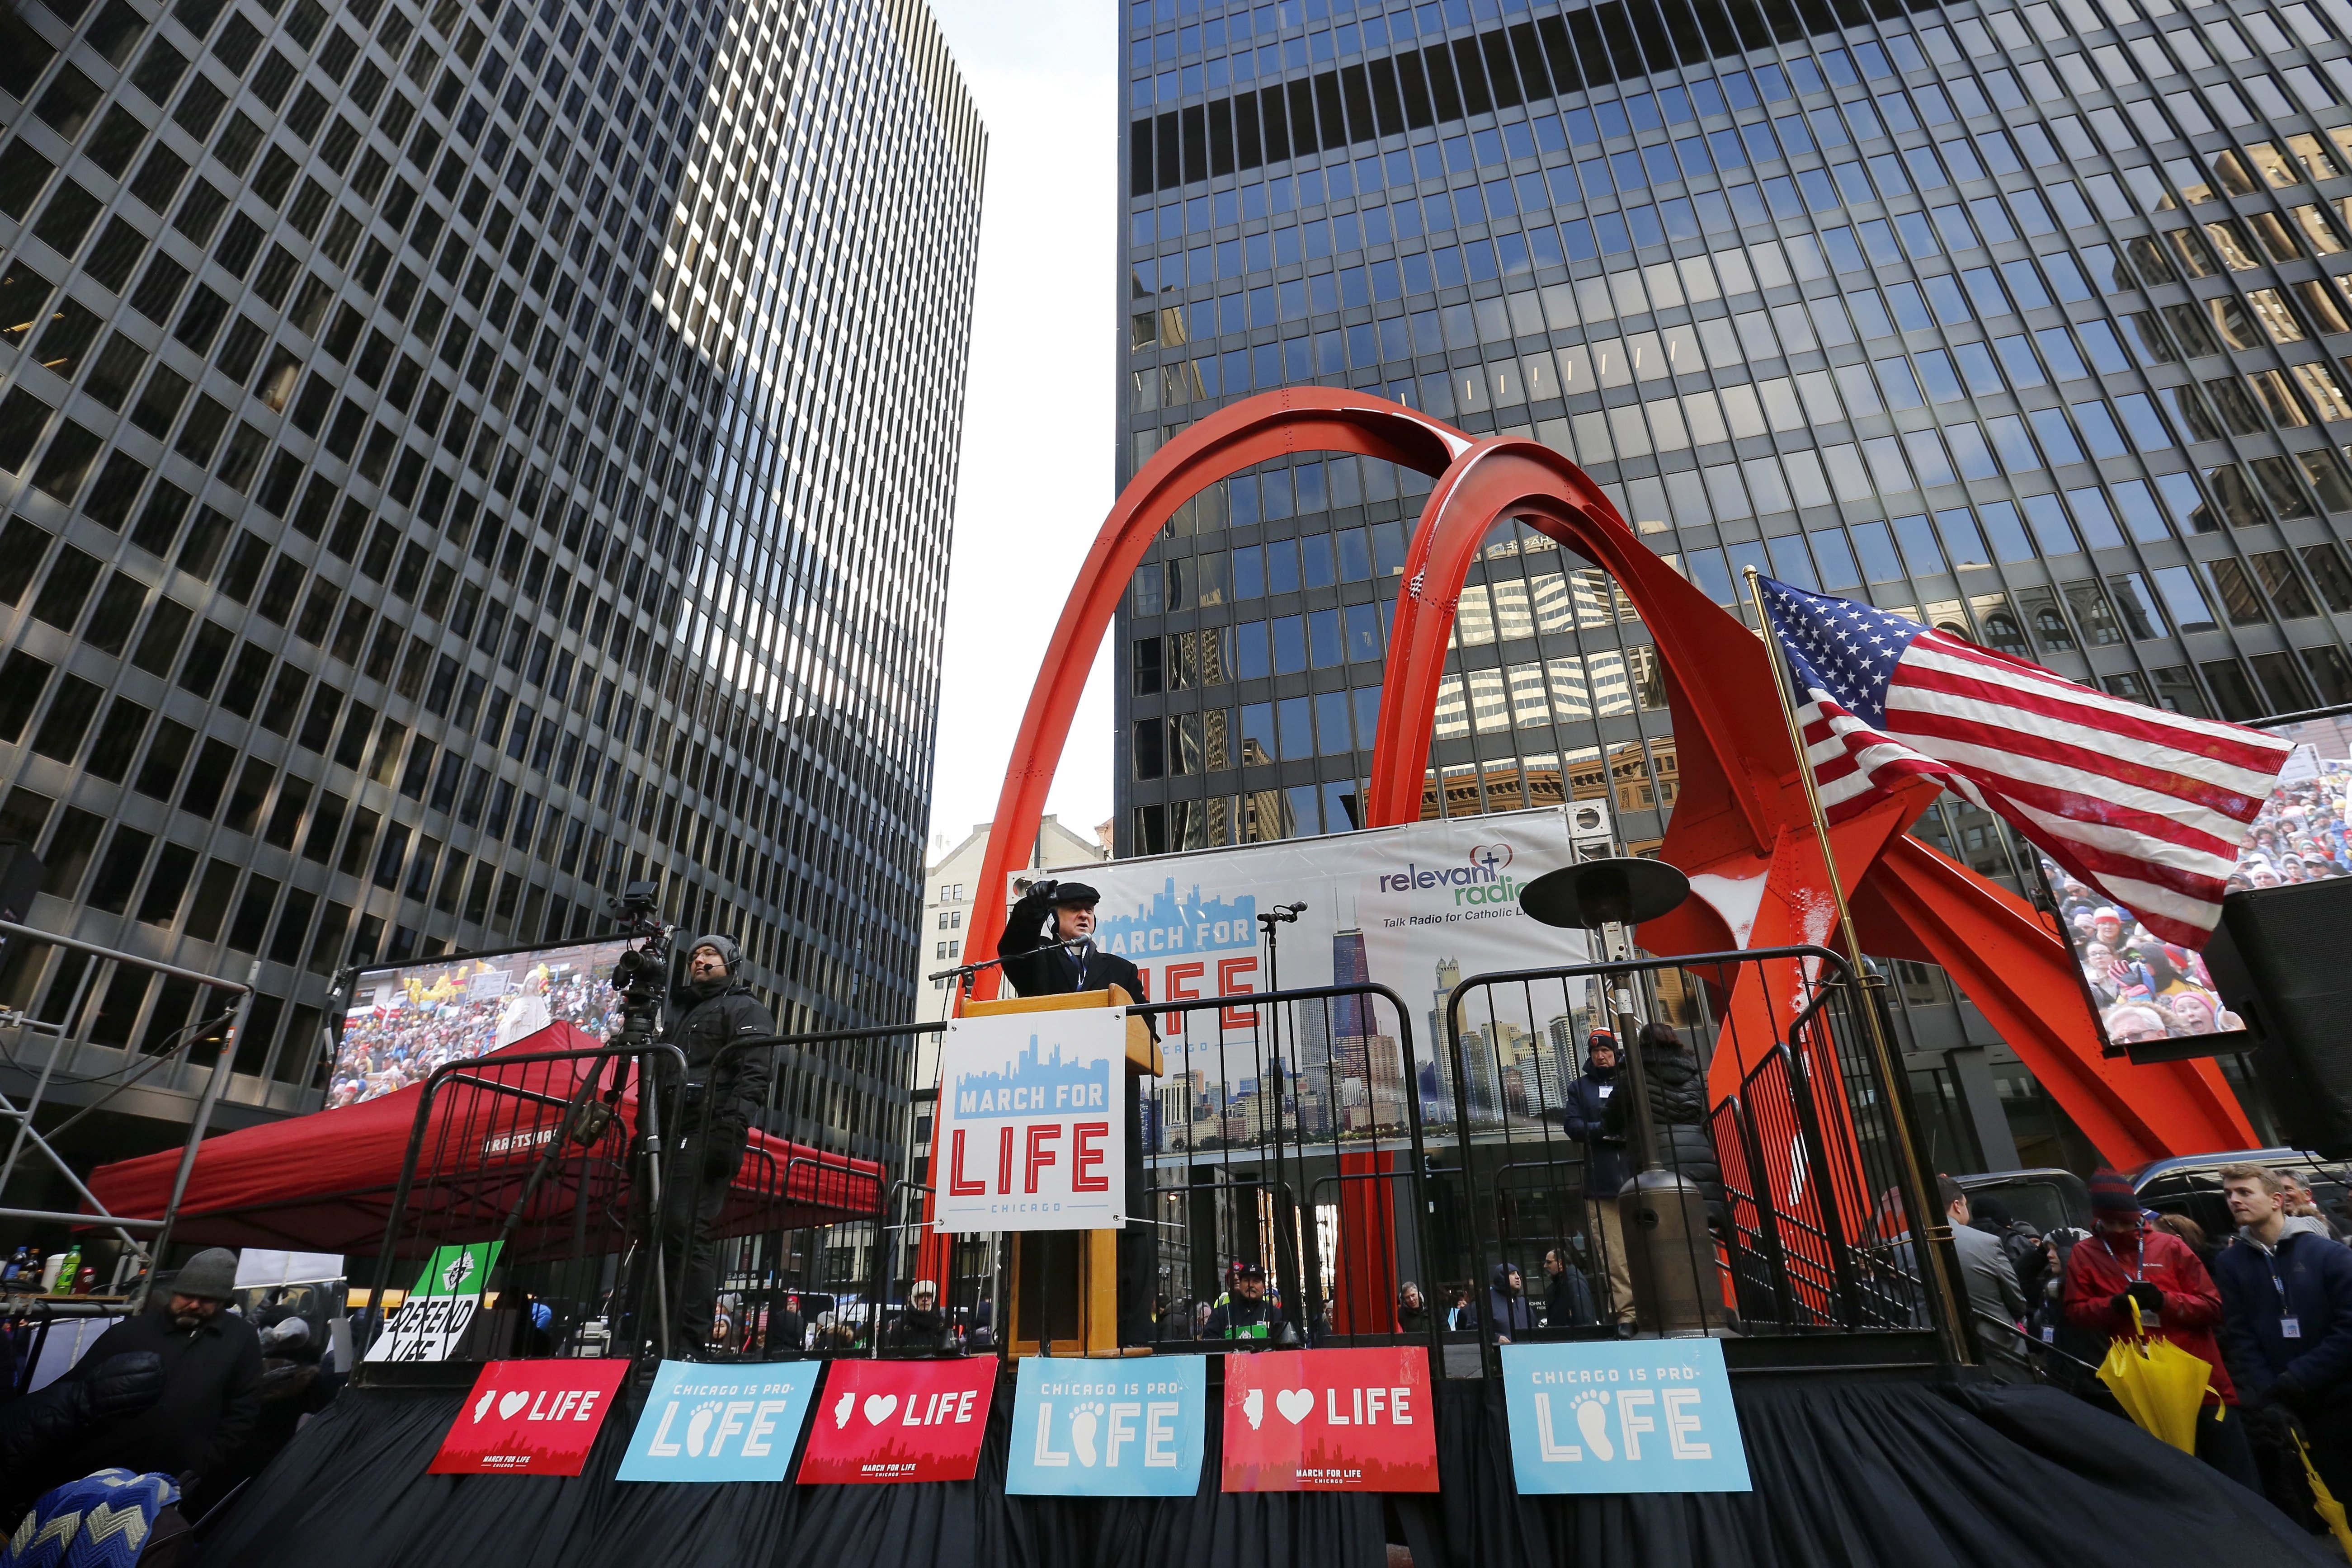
pixel 2139 1254
pixel 1085 948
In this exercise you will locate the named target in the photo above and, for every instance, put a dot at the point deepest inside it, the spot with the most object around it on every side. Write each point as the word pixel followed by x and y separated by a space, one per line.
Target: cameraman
pixel 723 1097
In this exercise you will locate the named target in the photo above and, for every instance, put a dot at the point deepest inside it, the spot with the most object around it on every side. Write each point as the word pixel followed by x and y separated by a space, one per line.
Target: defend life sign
pixel 720 1422
pixel 530 1419
pixel 428 1324
pixel 1336 1420
pixel 1032 1121
pixel 1092 1428
pixel 899 1421
pixel 1651 1416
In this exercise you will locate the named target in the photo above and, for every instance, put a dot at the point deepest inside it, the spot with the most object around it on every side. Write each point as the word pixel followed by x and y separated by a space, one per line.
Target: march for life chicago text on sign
pixel 1651 1416
pixel 1033 1121
pixel 1092 1428
pixel 530 1419
pixel 720 1422
pixel 432 1319
pixel 899 1421
pixel 1338 1420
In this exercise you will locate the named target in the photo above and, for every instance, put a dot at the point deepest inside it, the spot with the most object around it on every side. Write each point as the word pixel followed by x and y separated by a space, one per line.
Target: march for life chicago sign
pixel 1033 1121
pixel 720 1422
pixel 1651 1416
pixel 530 1419
pixel 1095 1428
pixel 899 1421
pixel 1336 1420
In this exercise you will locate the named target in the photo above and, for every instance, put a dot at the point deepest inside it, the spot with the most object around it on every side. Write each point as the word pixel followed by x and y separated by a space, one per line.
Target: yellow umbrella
pixel 2325 1501
pixel 2160 1386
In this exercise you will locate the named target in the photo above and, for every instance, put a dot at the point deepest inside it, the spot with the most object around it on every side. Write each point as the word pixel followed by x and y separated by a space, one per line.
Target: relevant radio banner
pixel 899 1421
pixel 1416 908
pixel 1651 1416
pixel 428 1324
pixel 530 1419
pixel 720 1424
pixel 1343 1420
pixel 1094 1429
pixel 1033 1121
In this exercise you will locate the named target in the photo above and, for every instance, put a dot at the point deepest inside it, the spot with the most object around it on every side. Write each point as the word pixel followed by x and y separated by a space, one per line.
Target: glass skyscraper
pixel 2022 321
pixel 462 459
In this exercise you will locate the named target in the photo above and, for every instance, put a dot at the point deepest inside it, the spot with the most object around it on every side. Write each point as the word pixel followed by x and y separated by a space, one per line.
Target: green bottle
pixel 69 1272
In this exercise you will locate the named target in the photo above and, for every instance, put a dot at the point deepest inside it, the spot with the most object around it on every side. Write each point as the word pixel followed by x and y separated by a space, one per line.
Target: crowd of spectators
pixel 406 1023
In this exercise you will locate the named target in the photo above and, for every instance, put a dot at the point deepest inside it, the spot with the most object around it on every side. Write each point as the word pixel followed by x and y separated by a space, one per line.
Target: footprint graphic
pixel 1591 1408
pixel 697 1427
pixel 1085 1421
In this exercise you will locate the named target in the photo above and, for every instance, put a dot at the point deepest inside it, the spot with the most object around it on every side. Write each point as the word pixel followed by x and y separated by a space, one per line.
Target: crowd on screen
pixel 426 1017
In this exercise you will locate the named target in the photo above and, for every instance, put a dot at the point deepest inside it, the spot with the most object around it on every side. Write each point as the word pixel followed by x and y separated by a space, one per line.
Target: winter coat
pixel 1568 1301
pixel 1239 1318
pixel 921 1329
pixel 212 1395
pixel 1606 1164
pixel 724 1096
pixel 1677 1086
pixel 1039 969
pixel 1507 1310
pixel 53 1420
pixel 1412 1319
pixel 2103 1267
pixel 2308 1278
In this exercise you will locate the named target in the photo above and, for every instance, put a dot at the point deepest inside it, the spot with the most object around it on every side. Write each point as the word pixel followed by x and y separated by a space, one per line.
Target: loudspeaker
pixel 2282 960
pixel 21 875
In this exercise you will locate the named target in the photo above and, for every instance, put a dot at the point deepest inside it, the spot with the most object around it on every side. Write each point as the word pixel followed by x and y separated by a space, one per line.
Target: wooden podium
pixel 1062 1296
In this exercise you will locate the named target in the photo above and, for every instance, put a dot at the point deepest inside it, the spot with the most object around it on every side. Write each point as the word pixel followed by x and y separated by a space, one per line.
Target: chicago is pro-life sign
pixel 1032 1121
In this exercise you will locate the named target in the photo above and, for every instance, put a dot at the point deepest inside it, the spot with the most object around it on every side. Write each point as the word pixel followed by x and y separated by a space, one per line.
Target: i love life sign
pixel 1642 1415
pixel 1335 1420
pixel 530 1419
pixel 1032 1121
pixel 719 1423
pixel 881 1421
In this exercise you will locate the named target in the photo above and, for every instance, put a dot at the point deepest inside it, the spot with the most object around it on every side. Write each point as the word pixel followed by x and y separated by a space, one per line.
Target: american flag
pixel 2147 806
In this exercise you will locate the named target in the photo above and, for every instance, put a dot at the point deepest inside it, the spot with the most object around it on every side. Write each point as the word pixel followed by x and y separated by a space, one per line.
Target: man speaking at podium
pixel 1048 949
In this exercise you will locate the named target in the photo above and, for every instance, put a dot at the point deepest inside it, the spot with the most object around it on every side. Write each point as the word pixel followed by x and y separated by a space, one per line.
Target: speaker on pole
pixel 2282 960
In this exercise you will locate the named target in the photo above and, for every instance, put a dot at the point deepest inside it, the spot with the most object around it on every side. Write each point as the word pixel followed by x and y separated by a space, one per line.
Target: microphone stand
pixel 965 973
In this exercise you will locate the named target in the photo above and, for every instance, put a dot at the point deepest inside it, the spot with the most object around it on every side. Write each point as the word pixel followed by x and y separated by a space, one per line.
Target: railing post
pixel 223 1065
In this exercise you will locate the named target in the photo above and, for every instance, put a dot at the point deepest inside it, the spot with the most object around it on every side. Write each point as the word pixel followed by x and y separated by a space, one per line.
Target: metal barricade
pixel 551 1155
pixel 1797 1167
pixel 1315 1094
pixel 815 1235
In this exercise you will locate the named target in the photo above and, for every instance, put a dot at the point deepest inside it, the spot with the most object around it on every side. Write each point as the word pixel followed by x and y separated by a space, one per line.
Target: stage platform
pixel 1906 1466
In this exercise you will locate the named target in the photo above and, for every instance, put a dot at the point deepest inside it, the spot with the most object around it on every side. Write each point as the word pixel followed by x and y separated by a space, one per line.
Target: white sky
pixel 1038 471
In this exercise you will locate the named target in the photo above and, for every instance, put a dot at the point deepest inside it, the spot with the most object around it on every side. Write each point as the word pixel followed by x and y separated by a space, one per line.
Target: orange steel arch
pixel 1740 826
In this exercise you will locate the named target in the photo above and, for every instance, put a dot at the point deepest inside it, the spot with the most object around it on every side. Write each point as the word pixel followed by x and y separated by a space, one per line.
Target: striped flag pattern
pixel 2147 806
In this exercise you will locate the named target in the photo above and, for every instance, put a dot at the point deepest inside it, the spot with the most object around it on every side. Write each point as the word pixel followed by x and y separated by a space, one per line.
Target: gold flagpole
pixel 1928 1222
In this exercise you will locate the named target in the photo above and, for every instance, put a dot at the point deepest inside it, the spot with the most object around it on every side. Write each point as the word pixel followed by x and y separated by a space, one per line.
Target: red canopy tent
pixel 325 1182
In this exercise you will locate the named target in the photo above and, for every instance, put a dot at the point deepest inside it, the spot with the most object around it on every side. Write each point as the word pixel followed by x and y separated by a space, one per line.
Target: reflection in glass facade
pixel 461 458
pixel 2026 320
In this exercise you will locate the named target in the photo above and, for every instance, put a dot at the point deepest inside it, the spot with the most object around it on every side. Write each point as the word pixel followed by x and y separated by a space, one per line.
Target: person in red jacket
pixel 2127 1260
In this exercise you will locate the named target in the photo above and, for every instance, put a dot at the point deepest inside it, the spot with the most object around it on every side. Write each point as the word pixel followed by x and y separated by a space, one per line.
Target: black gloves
pixel 2149 1298
pixel 1041 891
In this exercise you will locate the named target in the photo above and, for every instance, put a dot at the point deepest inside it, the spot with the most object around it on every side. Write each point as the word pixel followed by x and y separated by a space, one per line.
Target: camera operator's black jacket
pixel 1039 968
pixel 724 1097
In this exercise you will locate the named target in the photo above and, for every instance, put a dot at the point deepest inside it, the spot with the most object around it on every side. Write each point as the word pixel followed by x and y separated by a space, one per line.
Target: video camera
pixel 641 973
